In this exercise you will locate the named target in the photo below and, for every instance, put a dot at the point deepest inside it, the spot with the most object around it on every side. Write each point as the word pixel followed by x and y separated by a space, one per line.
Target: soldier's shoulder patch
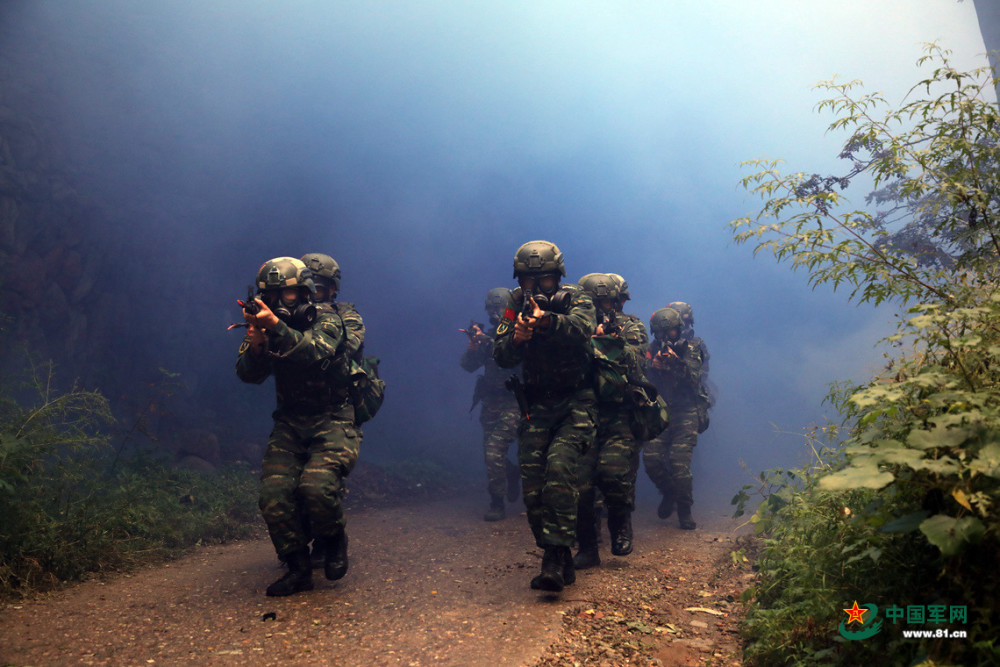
pixel 505 321
pixel 244 346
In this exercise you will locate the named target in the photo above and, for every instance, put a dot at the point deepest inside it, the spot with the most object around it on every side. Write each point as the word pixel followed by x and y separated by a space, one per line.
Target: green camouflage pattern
pixel 557 375
pixel 499 424
pixel 668 456
pixel 314 443
pixel 498 416
pixel 679 383
pixel 638 336
pixel 302 475
pixel 354 327
pixel 309 376
pixel 610 466
pixel 556 359
pixel 550 447
pixel 491 389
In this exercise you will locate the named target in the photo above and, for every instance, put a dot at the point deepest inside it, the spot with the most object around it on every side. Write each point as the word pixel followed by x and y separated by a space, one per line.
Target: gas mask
pixel 298 315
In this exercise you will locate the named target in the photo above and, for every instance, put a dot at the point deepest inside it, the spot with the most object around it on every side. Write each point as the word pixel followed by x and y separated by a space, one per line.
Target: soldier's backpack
pixel 367 390
pixel 614 380
pixel 649 416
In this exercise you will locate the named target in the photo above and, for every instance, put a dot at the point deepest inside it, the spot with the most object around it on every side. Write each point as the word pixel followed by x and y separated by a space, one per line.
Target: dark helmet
pixel 497 299
pixel 623 294
pixel 599 286
pixel 538 257
pixel 282 272
pixel 685 311
pixel 663 321
pixel 324 268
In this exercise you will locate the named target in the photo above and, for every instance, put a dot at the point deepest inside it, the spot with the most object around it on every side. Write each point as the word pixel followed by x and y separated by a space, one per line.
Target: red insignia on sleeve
pixel 510 314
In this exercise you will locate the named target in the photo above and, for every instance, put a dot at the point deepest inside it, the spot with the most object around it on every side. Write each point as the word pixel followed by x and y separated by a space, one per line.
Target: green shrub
pixel 905 509
pixel 71 507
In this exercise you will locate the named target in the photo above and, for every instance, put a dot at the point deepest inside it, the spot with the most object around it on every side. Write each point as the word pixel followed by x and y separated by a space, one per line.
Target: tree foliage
pixel 917 465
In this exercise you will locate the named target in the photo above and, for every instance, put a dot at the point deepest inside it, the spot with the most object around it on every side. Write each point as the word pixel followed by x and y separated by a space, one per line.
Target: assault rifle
pixel 610 324
pixel 527 310
pixel 250 305
pixel 476 331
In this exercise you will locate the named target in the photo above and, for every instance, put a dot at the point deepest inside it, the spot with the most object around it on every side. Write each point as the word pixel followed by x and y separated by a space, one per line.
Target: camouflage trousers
pixel 499 430
pixel 550 446
pixel 668 456
pixel 610 466
pixel 302 475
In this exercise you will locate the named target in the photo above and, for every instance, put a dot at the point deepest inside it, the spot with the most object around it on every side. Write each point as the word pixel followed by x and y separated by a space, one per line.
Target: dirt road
pixel 428 585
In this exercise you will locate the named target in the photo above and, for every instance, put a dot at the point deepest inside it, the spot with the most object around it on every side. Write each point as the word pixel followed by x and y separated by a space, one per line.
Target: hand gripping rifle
pixel 476 331
pixel 250 305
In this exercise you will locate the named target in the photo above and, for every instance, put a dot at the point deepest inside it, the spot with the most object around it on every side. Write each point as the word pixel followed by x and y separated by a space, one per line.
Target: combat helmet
pixel 684 310
pixel 623 294
pixel 282 272
pixel 538 257
pixel 600 286
pixel 663 321
pixel 325 270
pixel 496 299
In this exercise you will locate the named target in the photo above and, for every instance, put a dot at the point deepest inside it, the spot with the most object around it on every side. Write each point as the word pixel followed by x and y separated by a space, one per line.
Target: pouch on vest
pixel 367 390
pixel 610 371
pixel 649 416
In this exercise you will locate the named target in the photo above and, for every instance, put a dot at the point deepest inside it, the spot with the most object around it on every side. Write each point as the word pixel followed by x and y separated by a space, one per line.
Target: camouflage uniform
pixel 668 456
pixel 562 408
pixel 498 416
pixel 610 466
pixel 315 442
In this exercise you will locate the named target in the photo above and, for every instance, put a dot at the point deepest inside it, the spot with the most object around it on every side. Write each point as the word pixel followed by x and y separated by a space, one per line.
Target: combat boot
pixel 666 507
pixel 569 569
pixel 684 517
pixel 620 527
pixel 551 576
pixel 496 511
pixel 336 556
pixel 317 557
pixel 298 578
pixel 586 538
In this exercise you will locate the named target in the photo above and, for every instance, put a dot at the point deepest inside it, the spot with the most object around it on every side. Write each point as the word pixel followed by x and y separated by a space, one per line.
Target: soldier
pixel 315 442
pixel 326 279
pixel 623 296
pixel 674 366
pixel 610 465
pixel 499 415
pixel 708 389
pixel 548 329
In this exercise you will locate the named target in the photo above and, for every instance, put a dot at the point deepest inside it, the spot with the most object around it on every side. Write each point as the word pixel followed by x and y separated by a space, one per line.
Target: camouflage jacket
pixel 640 337
pixel 557 359
pixel 354 327
pixel 680 382
pixel 491 384
pixel 311 370
pixel 707 387
pixel 619 358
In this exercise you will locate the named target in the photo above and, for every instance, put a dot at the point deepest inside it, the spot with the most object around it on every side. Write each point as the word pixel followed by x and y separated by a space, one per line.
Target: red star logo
pixel 855 613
